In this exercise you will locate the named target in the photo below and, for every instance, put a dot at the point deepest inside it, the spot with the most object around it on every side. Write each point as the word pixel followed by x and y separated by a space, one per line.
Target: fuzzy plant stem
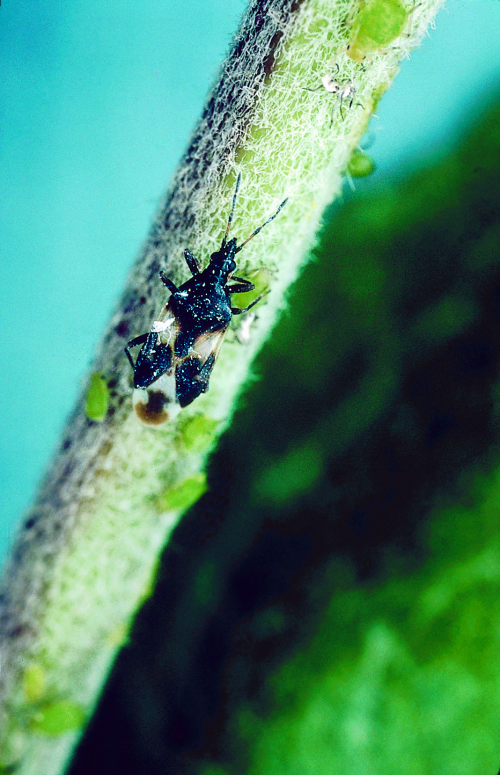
pixel 85 555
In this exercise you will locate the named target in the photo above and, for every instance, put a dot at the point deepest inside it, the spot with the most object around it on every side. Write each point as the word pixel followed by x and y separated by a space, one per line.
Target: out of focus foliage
pixel 331 604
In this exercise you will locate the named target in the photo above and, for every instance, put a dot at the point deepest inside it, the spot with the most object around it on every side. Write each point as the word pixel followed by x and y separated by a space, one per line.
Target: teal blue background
pixel 97 102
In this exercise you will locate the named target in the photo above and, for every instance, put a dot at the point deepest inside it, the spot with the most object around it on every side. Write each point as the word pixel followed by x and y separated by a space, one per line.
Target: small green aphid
pixel 56 718
pixel 360 165
pixel 184 495
pixel 96 403
pixel 377 24
pixel 34 680
pixel 198 432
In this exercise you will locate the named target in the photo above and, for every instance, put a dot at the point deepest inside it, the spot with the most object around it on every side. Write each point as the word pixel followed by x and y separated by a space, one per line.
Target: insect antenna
pixel 252 235
pixel 306 88
pixel 230 219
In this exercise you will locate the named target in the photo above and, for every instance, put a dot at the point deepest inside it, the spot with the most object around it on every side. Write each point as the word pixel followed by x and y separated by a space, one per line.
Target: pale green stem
pixel 86 554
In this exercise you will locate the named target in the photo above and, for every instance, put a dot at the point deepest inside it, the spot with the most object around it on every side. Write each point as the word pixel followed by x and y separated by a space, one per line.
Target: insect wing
pixel 157 403
pixel 209 344
pixel 193 372
pixel 166 326
pixel 187 378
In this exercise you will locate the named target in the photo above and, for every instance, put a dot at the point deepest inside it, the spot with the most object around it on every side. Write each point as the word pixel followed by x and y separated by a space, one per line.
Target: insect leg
pixel 238 311
pixel 166 281
pixel 240 280
pixel 333 111
pixel 243 287
pixel 192 262
pixel 133 343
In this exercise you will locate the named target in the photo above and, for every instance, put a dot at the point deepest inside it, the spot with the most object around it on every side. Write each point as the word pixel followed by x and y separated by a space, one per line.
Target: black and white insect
pixel 177 355
pixel 344 90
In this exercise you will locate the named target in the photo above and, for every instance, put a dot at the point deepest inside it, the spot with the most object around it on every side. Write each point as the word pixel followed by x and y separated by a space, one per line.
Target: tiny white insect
pixel 345 91
pixel 243 334
pixel 162 325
